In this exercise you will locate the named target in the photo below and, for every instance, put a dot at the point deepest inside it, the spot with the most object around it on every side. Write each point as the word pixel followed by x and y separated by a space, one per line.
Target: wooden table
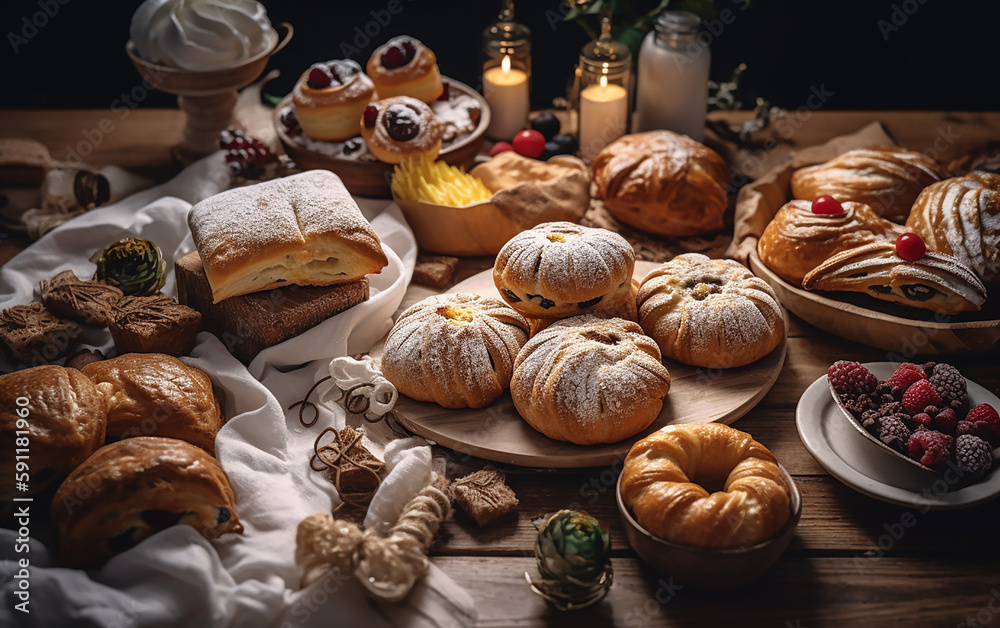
pixel 852 561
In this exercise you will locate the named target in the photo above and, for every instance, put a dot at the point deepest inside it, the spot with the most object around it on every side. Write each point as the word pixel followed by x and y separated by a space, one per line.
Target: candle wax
pixel 506 91
pixel 603 116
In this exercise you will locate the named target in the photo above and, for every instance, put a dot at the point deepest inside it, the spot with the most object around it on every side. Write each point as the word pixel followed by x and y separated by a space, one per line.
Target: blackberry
pixel 950 384
pixel 972 454
pixel 851 378
pixel 894 433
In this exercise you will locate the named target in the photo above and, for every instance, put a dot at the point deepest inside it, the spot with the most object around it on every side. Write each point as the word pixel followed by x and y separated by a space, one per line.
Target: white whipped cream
pixel 201 34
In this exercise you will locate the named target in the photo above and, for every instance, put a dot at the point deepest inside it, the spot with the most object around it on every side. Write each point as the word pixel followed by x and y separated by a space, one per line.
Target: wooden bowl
pixel 373 178
pixel 904 332
pixel 479 229
pixel 710 567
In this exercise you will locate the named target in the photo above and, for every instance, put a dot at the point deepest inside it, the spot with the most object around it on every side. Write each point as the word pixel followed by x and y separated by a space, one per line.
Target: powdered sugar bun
pixel 710 312
pixel 390 150
pixel 561 269
pixel 456 350
pixel 589 379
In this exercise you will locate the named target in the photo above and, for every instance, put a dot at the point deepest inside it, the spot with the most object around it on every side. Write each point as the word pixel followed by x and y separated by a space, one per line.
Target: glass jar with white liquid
pixel 672 90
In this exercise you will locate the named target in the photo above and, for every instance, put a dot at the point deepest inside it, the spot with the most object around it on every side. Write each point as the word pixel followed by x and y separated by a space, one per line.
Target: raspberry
pixel 985 412
pixel 851 378
pixel 972 454
pixel 931 449
pixel 946 421
pixel 919 395
pixel 894 433
pixel 950 384
pixel 922 418
pixel 905 375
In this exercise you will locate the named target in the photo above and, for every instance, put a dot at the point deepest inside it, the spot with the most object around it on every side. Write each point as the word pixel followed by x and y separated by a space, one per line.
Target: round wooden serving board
pixel 498 433
pixel 903 331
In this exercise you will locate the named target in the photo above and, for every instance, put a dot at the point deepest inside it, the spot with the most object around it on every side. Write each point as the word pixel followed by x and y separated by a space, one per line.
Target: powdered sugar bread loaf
pixel 456 350
pixel 961 217
pixel 304 229
pixel 561 269
pixel 589 379
pixel 710 312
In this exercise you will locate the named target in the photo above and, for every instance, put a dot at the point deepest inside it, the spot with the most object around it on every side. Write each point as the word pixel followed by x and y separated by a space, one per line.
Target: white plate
pixel 865 467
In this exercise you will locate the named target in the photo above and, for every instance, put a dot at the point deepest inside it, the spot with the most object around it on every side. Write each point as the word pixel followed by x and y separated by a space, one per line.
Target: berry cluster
pixel 245 155
pixel 921 411
pixel 542 141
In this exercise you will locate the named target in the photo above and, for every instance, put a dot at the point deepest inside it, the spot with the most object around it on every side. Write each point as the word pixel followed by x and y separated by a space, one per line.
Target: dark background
pixel 940 56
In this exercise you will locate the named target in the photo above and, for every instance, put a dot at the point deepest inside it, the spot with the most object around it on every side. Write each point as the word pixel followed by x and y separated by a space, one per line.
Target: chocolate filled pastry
pixel 589 379
pixel 399 128
pixel 886 178
pixel 53 418
pixel 86 301
pixel 456 350
pixel 35 335
pixel 798 240
pixel 663 183
pixel 935 282
pixel 305 229
pixel 129 490
pixel 330 97
pixel 561 269
pixel 403 66
pixel 154 324
pixel 152 394
pixel 961 217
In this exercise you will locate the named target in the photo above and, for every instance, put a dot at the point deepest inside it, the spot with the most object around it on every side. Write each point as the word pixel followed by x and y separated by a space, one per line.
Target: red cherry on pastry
pixel 371 112
pixel 320 76
pixel 910 247
pixel 529 143
pixel 500 147
pixel 398 55
pixel 827 205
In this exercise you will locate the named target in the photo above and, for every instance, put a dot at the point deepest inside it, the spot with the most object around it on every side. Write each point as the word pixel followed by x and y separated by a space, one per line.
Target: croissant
pixel 936 282
pixel 961 217
pixel 886 178
pixel 707 485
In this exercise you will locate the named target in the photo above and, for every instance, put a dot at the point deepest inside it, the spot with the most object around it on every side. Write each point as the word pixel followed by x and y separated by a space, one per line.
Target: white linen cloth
pixel 177 578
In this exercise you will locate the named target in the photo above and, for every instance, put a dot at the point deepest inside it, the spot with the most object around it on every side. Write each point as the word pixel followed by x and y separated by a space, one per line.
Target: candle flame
pixel 604 80
pixel 505 64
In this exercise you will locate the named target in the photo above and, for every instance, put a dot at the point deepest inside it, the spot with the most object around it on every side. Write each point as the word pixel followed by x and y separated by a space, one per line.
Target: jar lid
pixel 605 53
pixel 678 22
pixel 508 34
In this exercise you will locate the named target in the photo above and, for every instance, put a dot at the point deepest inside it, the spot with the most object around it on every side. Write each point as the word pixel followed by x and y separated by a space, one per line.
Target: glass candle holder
pixel 603 99
pixel 507 74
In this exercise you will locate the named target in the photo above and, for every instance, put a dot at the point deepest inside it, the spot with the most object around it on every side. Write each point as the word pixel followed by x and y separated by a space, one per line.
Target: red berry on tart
pixel 827 205
pixel 910 247
pixel 330 97
pixel 405 67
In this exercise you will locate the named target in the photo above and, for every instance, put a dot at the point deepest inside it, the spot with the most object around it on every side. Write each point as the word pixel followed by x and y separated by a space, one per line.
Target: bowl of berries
pixel 928 415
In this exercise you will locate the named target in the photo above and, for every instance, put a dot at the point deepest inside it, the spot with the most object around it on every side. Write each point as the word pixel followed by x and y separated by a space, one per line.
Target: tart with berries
pixel 329 98
pixel 403 66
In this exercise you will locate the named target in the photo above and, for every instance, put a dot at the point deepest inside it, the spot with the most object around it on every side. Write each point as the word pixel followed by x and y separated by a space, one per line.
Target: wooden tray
pixel 372 178
pixel 498 433
pixel 904 332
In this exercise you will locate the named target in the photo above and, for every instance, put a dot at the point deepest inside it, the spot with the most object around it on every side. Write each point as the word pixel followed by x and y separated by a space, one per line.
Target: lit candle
pixel 506 90
pixel 603 114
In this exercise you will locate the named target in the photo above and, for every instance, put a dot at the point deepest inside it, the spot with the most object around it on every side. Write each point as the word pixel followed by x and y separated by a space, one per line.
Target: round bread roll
pixel 707 485
pixel 798 240
pixel 561 269
pixel 961 217
pixel 710 312
pixel 154 394
pixel 886 178
pixel 662 183
pixel 129 490
pixel 53 418
pixel 456 350
pixel 589 379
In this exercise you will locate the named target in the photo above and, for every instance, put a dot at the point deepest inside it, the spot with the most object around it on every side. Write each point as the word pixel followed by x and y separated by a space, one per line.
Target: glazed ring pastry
pixel 154 394
pixel 58 415
pixel 798 240
pixel 886 178
pixel 707 485
pixel 399 128
pixel 589 379
pixel 129 490
pixel 405 67
pixel 710 312
pixel 330 98
pixel 456 350
pixel 561 269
